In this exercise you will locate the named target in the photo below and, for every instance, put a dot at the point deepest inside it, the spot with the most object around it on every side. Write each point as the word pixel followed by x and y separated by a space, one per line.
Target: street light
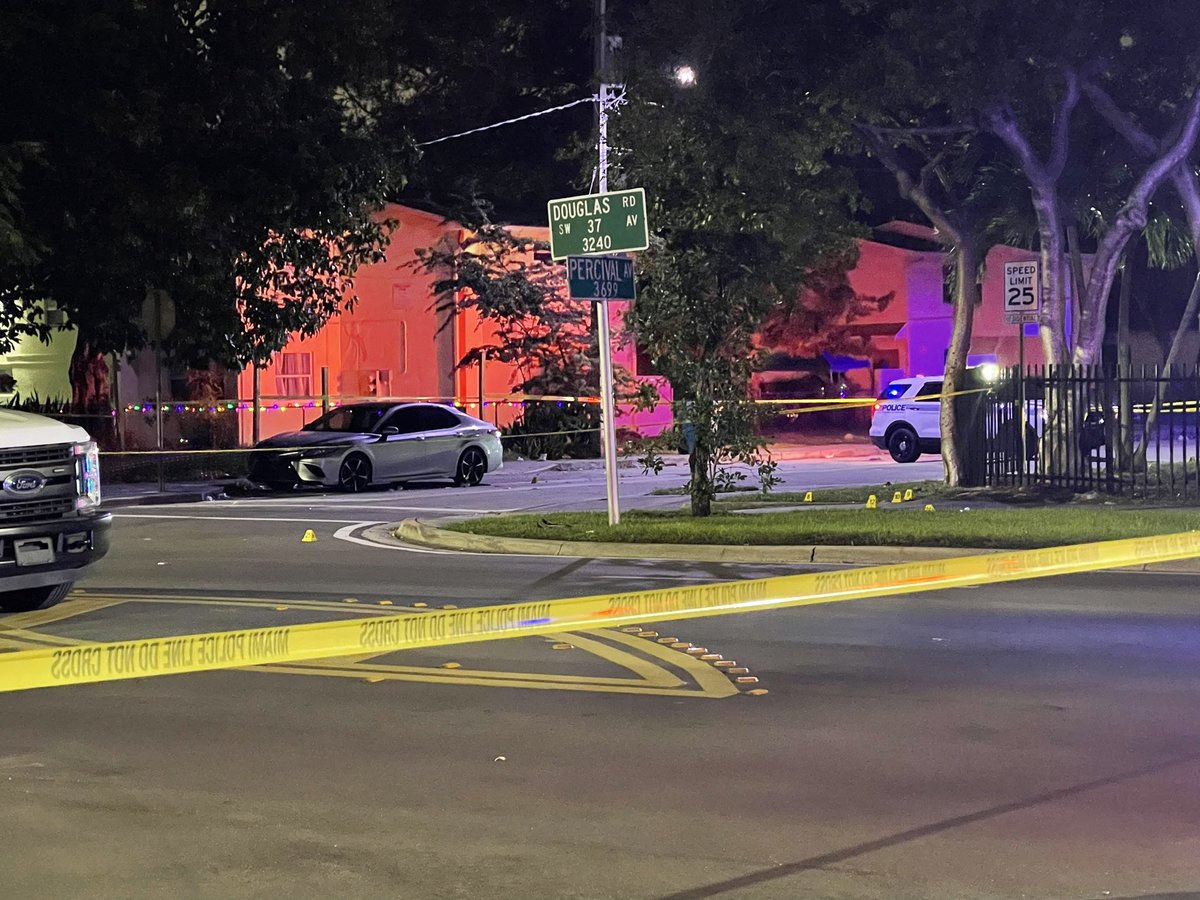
pixel 685 76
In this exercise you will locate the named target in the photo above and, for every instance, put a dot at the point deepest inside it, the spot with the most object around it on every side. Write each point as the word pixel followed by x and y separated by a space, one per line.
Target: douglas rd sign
pixel 598 223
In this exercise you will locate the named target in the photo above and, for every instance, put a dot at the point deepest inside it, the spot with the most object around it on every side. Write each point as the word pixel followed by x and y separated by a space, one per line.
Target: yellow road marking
pixel 625 687
pixel 710 680
pixel 67 610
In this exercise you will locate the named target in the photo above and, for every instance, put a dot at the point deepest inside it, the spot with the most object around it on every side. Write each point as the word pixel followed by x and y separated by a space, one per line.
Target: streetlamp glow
pixel 685 76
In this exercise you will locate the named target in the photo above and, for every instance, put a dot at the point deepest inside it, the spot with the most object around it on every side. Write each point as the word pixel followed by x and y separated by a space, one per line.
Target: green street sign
pixel 598 223
pixel 600 277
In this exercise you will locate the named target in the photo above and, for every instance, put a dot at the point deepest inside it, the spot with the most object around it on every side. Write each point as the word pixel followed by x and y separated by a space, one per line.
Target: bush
pixel 556 430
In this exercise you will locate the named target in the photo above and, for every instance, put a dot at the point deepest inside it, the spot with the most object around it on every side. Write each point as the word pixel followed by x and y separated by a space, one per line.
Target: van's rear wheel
pixel 902 444
pixel 33 598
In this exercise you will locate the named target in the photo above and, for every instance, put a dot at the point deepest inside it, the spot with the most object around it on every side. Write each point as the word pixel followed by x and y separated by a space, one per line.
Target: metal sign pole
pixel 1021 397
pixel 608 427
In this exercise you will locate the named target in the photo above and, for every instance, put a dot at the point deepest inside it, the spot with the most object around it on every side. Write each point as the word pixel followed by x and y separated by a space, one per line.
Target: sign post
pixel 158 318
pixel 1022 304
pixel 580 229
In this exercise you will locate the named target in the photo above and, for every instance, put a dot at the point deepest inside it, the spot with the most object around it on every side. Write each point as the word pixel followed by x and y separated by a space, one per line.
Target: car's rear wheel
pixel 33 598
pixel 354 475
pixel 903 445
pixel 472 466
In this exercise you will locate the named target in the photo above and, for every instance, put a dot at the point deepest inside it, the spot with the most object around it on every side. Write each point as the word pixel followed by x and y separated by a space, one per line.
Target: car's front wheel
pixel 354 475
pixel 903 445
pixel 472 466
pixel 33 598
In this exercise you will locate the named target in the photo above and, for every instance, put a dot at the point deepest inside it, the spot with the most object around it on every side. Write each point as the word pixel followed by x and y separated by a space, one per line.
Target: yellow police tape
pixel 79 664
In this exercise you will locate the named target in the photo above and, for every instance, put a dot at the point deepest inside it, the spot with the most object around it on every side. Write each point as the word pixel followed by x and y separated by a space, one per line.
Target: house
pixel 397 343
pixel 400 342
pixel 910 335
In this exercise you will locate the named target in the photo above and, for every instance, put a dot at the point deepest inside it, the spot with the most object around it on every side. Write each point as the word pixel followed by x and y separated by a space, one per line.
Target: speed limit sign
pixel 1022 292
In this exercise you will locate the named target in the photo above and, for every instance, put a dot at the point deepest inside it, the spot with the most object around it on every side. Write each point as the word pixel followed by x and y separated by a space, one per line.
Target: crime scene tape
pixel 86 663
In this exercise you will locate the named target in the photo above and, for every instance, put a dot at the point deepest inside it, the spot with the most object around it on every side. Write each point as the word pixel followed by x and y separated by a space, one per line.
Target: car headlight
pixel 87 469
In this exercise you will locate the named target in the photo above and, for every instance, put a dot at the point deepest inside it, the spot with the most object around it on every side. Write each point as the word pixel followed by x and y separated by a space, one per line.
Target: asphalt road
pixel 1038 740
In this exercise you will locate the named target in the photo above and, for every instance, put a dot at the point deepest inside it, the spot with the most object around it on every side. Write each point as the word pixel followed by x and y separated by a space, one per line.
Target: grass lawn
pixel 1018 528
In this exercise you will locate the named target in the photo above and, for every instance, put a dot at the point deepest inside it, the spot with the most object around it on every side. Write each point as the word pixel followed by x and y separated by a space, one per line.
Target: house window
pixel 293 375
pixel 643 362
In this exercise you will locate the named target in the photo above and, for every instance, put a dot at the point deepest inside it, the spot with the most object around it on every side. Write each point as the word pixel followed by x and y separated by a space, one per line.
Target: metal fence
pixel 1132 432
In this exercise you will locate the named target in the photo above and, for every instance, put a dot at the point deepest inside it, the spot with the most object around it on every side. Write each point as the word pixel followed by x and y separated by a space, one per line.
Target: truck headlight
pixel 87 467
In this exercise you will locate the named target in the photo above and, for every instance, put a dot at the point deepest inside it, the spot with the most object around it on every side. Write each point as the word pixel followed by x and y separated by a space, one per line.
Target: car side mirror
pixel 387 430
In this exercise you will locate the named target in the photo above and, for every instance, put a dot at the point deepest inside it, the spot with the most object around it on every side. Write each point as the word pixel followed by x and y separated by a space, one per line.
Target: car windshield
pixel 350 419
pixel 895 389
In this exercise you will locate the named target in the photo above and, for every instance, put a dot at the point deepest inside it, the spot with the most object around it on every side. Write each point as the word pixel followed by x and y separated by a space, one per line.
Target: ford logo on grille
pixel 24 484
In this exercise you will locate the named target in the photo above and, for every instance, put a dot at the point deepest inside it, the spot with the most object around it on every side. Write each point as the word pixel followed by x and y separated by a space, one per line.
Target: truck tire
pixel 902 443
pixel 33 598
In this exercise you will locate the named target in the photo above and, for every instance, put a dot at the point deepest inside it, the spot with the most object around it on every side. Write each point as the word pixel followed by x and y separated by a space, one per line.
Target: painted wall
pixel 40 369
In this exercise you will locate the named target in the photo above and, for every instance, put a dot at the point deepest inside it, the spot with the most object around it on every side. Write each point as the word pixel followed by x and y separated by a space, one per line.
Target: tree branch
pixel 1128 221
pixel 913 191
pixel 1060 141
pixel 928 130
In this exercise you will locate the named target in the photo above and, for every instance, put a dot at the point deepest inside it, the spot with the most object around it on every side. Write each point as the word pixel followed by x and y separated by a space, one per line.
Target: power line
pixel 532 115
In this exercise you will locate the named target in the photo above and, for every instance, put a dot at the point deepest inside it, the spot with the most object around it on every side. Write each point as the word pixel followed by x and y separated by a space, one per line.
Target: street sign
pixel 1022 292
pixel 593 224
pixel 158 316
pixel 600 277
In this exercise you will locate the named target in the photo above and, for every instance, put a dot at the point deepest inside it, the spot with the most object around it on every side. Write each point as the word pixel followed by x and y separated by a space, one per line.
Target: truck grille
pixel 32 456
pixel 50 508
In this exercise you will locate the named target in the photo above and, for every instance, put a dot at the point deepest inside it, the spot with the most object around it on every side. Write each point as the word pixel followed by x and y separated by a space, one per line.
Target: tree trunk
pixel 1053 264
pixel 90 397
pixel 1129 221
pixel 967 260
pixel 700 466
pixel 1139 459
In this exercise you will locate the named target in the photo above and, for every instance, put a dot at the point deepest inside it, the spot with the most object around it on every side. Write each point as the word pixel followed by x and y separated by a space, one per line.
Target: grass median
pixel 1018 528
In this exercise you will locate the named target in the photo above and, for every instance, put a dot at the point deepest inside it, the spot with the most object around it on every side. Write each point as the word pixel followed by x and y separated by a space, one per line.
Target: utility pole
pixel 608 425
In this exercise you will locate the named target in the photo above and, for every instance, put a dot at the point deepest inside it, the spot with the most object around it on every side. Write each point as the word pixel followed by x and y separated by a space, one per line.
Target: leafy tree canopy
pixel 743 202
pixel 205 148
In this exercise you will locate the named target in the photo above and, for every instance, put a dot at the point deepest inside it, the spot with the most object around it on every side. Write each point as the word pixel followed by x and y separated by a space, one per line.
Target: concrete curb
pixel 157 499
pixel 414 531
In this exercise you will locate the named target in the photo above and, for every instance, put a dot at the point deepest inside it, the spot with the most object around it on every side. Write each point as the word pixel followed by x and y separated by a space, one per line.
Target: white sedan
pixel 357 445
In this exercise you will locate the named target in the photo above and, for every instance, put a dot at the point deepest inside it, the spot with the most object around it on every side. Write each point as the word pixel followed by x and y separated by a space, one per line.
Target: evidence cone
pixel 896 497
pixel 872 502
pixel 908 495
pixel 310 537
pixel 929 507
pixel 808 497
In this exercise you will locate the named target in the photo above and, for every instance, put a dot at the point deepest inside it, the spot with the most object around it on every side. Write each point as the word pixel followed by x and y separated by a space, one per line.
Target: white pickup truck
pixel 51 526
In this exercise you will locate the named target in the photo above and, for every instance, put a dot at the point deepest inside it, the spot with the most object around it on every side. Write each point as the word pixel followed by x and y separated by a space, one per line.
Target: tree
pixel 509 282
pixel 208 149
pixel 814 321
pixel 743 202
